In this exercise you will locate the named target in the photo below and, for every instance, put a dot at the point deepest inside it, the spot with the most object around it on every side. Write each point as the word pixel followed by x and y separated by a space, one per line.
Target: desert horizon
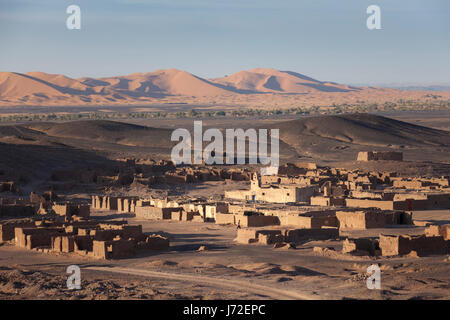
pixel 261 88
pixel 218 159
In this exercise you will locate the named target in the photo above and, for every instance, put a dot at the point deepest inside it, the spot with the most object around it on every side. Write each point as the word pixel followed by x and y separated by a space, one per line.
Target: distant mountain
pixel 422 88
pixel 409 86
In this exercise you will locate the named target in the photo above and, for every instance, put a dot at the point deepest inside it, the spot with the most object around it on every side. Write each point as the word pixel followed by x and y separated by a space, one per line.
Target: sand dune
pixel 160 83
pixel 59 80
pixel 262 80
pixel 262 87
pixel 16 86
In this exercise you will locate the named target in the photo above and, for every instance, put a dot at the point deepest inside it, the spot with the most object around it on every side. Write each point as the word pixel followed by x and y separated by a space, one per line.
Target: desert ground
pixel 204 261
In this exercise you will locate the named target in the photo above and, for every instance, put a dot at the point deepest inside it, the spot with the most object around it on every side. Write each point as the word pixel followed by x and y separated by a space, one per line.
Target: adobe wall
pixel 360 220
pixel 299 235
pixel 237 194
pixel 361 246
pixel 304 194
pixel 176 215
pixel 63 243
pixel 248 236
pixel 101 240
pixel 256 220
pixel 439 230
pixel 34 237
pixel 115 249
pixel 154 242
pixel 380 204
pixel 187 216
pixel 225 218
pixel 7 228
pixel 379 155
pixel 423 245
pixel 16 210
pixel 311 222
pixel 439 201
pixel 326 201
pixel 154 213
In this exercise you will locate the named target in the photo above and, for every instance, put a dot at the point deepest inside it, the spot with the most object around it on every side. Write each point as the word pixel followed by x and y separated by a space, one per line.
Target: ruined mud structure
pixel 302 202
pixel 65 227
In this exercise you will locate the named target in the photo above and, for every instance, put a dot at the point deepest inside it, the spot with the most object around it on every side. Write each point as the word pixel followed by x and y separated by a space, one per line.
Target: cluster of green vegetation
pixel 360 106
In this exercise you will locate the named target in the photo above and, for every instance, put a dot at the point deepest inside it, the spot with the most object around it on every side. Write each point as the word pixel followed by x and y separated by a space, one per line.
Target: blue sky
pixel 324 39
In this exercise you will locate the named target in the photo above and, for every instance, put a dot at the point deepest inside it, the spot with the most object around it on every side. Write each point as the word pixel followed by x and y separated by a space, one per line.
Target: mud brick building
pixel 68 209
pixel 392 245
pixel 380 155
pixel 111 240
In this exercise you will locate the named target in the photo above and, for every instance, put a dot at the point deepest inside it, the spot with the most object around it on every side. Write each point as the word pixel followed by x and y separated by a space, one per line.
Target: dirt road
pixel 234 284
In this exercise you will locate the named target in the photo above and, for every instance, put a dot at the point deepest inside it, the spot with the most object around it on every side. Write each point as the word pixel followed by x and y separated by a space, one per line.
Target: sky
pixel 325 39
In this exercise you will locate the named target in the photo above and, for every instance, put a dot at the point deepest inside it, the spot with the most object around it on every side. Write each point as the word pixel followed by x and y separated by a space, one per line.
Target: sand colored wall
pixel 311 222
pixel 326 201
pixel 16 210
pixel 34 237
pixel 7 228
pixel 439 230
pixel 360 220
pixel 299 235
pixel 400 245
pixel 380 155
pixel 381 204
pixel 115 249
pixel 225 218
pixel 238 194
pixel 247 236
pixel 63 244
pixel 256 220
pixel 155 213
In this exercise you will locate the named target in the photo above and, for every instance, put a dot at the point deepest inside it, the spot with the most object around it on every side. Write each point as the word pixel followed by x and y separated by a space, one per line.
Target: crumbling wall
pixel 36 237
pixel 360 219
pixel 16 210
pixel 379 155
pixel 267 236
pixel 256 220
pixel 361 246
pixel 438 230
pixel 311 222
pixel 299 235
pixel 7 228
pixel 115 249
pixel 225 218
pixel 154 213
pixel 392 245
